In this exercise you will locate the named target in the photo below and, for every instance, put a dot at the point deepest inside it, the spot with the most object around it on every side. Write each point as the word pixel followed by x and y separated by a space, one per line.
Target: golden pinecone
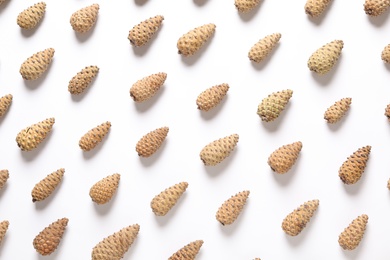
pixel 116 245
pixel 151 142
pixel 81 81
pixel 352 169
pixel 263 47
pixel 46 186
pixel 191 42
pixel 323 59
pixel 5 103
pixel 216 151
pixel 386 54
pixel 94 136
pixel 335 112
pixel 257 259
pixel 188 252
pixel 163 202
pixel 376 7
pixel 47 241
pixel 3 229
pixel 83 19
pixel 141 33
pixel 211 97
pixel 387 112
pixel 37 64
pixel 244 6
pixel 270 107
pixel 4 175
pixel 315 8
pixel 283 158
pixel 350 238
pixel 30 17
pixel 102 191
pixel 297 220
pixel 30 137
pixel 231 208
pixel 147 87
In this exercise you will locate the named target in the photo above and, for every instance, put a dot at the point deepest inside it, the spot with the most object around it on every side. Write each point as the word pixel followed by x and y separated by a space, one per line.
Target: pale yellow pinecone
pixel 151 142
pixel 315 8
pixel 82 20
pixel 387 112
pixel 323 59
pixel 116 245
pixel 4 175
pixel 386 54
pixel 47 241
pixel 297 220
pixel 147 87
pixel 263 47
pixel 94 136
pixel 211 97
pixel 283 158
pixel 5 103
pixel 352 169
pixel 102 191
pixel 376 7
pixel 46 186
pixel 270 107
pixel 37 64
pixel 244 6
pixel 141 33
pixel 3 229
pixel 188 252
pixel 352 235
pixel 191 42
pixel 30 137
pixel 81 81
pixel 30 17
pixel 218 150
pixel 231 208
pixel 335 112
pixel 163 202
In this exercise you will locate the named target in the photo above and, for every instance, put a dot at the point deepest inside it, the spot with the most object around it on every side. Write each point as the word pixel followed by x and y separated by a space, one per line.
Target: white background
pixel 359 74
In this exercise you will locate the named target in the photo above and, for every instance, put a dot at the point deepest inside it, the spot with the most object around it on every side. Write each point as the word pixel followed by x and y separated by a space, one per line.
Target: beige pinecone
pixel 3 229
pixel 47 241
pixel 376 7
pixel 386 54
pixel 335 112
pixel 263 47
pixel 352 169
pixel 350 238
pixel 82 20
pixel 147 87
pixel 37 64
pixel 323 59
pixel 387 112
pixel 216 151
pixel 188 252
pixel 30 137
pixel 30 17
pixel 270 107
pixel 257 259
pixel 116 245
pixel 231 208
pixel 46 186
pixel 81 81
pixel 5 103
pixel 151 142
pixel 94 136
pixel 211 97
pixel 244 6
pixel 141 33
pixel 163 202
pixel 191 42
pixel 297 220
pixel 102 191
pixel 315 8
pixel 4 175
pixel 283 158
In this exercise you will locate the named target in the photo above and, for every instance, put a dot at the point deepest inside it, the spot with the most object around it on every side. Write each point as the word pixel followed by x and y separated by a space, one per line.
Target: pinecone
pixel 47 241
pixel 323 59
pixel 81 81
pixel 352 169
pixel 263 47
pixel 283 158
pixel 5 103
pixel 3 229
pixel 151 142
pixel 83 19
pixel 216 151
pixel 297 220
pixel 94 136
pixel 270 107
pixel 102 191
pixel 30 17
pixel 191 42
pixel 315 8
pixel 30 137
pixel 244 6
pixel 387 112
pixel 188 252
pixel 147 87
pixel 388 184
pixel 141 33
pixel 163 202
pixel 211 97
pixel 37 64
pixel 386 54
pixel 335 112
pixel 376 7
pixel 46 186
pixel 231 208
pixel 350 238
pixel 4 175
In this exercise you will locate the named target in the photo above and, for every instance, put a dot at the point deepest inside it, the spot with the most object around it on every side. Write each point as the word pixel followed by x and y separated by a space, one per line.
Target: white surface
pixel 359 74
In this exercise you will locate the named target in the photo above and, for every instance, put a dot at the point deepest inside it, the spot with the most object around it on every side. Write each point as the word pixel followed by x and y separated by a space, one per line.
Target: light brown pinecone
pixel 244 6
pixel 37 64
pixel 388 184
pixel 30 17
pixel 151 142
pixel 387 112
pixel 116 245
pixel 283 158
pixel 335 112
pixel 147 87
pixel 47 241
pixel 188 252
pixel 352 169
pixel 30 137
pixel 386 54
pixel 46 186
pixel 315 8
pixel 352 235
pixel 231 208
pixel 141 33
pixel 102 191
pixel 218 150
pixel 2 1
pixel 94 136
pixel 211 97
pixel 163 202
pixel 297 220
pixel 323 59
pixel 3 229
pixel 5 103
pixel 191 42
pixel 376 7
pixel 270 107
pixel 4 175
pixel 81 81
pixel 82 20
pixel 263 47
